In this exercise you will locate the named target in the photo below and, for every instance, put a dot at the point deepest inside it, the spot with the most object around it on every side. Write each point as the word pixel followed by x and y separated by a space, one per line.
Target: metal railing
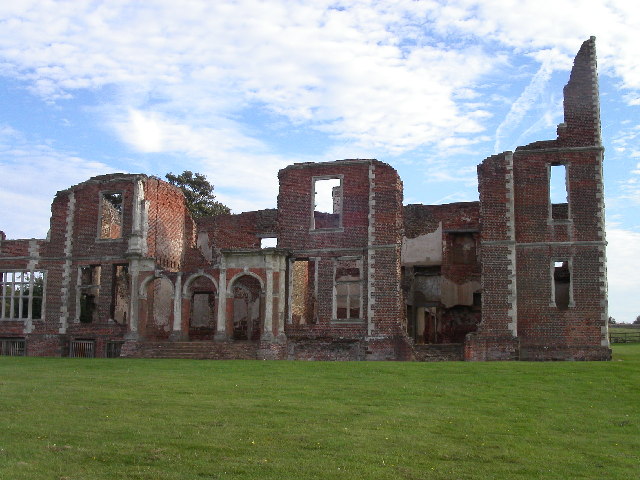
pixel 82 349
pixel 113 349
pixel 13 347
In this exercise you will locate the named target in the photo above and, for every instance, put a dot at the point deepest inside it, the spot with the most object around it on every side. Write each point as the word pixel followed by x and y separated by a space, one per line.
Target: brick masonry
pixel 424 282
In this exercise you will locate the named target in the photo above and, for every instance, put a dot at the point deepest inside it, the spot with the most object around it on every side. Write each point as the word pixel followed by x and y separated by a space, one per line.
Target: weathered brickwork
pixel 126 271
pixel 525 239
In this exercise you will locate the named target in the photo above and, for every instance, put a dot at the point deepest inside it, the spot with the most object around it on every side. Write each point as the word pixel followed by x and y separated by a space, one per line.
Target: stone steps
pixel 434 352
pixel 201 350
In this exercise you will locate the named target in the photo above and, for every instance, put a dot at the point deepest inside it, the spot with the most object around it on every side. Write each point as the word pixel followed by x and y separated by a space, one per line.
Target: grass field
pixel 624 328
pixel 180 419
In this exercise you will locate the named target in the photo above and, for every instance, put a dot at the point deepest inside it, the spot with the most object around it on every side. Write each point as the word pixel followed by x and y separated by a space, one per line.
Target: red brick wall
pixel 294 206
pixel 243 230
pixel 545 331
pixel 455 217
pixel 167 233
pixel 363 181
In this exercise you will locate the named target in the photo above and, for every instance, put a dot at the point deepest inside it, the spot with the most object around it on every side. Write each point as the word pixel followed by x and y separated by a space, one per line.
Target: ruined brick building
pixel 355 275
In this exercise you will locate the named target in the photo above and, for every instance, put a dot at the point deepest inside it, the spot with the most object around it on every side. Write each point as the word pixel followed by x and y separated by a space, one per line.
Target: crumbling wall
pixel 234 231
pixel 440 258
pixel 365 228
pixel 525 240
pixel 166 217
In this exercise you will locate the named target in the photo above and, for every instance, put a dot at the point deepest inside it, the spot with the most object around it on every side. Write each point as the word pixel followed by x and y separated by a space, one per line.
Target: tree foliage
pixel 637 321
pixel 198 194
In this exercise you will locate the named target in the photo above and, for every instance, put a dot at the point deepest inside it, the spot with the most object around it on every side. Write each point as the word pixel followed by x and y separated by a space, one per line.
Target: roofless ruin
pixel 355 275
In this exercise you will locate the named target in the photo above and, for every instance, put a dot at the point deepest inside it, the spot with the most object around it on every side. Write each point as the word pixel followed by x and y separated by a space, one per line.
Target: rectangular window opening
pixel 558 192
pixel 348 288
pixel 82 348
pixel 304 308
pixel 562 284
pixel 110 216
pixel 113 349
pixel 327 203
pixel 89 292
pixel 269 242
pixel 22 295
pixel 463 246
pixel 121 296
pixel 13 347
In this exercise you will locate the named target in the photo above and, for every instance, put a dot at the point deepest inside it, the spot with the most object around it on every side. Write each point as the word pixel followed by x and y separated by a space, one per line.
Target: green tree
pixel 637 321
pixel 198 193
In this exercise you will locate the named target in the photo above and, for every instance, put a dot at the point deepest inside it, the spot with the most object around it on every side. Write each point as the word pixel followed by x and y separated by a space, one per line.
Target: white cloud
pixel 529 98
pixel 623 265
pixel 533 25
pixel 31 174
pixel 375 74
pixel 349 72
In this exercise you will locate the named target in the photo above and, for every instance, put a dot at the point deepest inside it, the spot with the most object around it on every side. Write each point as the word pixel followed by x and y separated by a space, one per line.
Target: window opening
pixel 113 348
pixel 110 216
pixel 477 299
pixel 463 247
pixel 558 194
pixel 269 242
pixel 562 284
pixel 82 348
pixel 22 294
pixel 13 347
pixel 348 289
pixel 303 295
pixel 89 292
pixel 121 295
pixel 327 203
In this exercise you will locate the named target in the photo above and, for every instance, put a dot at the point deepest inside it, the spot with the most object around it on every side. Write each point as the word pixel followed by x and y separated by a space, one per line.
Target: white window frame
pixel 9 294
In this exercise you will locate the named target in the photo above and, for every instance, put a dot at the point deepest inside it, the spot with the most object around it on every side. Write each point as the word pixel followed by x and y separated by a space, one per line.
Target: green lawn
pixel 182 419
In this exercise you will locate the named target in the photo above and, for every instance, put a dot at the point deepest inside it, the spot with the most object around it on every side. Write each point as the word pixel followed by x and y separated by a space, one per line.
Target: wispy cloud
pixel 363 72
pixel 529 97
pixel 47 170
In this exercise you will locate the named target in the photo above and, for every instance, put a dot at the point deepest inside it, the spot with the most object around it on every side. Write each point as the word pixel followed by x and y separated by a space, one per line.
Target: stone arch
pixel 192 278
pixel 142 289
pixel 247 306
pixel 242 274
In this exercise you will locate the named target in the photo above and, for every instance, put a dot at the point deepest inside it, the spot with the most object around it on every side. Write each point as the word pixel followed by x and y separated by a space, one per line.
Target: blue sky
pixel 239 89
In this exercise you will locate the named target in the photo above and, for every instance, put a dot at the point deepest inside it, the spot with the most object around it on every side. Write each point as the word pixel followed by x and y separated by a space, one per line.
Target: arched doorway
pixel 247 308
pixel 203 312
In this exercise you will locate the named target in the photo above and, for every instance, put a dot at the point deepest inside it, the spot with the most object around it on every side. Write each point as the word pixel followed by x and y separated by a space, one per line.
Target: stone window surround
pixel 101 199
pixel 550 219
pixel 4 284
pixel 86 287
pixel 314 179
pixel 335 319
pixel 552 267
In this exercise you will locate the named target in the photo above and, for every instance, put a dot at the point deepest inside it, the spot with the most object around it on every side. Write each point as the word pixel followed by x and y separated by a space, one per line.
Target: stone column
pixel 177 334
pixel 221 330
pixel 134 270
pixel 267 332
pixel 281 297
